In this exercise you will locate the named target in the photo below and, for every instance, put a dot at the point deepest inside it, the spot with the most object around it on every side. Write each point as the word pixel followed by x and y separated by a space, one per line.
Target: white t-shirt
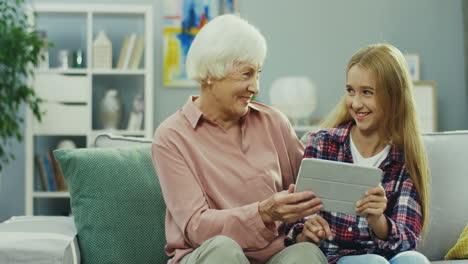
pixel 373 161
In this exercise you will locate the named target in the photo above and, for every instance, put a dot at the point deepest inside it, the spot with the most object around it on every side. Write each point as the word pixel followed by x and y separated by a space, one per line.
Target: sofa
pixel 448 209
pixel 448 162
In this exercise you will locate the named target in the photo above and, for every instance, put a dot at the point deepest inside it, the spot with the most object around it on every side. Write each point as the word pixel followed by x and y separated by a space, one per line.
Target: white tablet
pixel 338 184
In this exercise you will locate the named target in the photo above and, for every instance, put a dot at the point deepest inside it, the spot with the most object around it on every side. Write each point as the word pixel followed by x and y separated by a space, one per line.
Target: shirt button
pixel 350 229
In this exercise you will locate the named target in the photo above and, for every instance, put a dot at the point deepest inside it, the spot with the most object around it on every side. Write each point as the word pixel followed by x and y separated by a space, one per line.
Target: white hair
pixel 223 42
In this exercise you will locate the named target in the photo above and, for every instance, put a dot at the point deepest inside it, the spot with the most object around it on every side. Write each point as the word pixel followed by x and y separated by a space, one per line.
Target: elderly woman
pixel 227 164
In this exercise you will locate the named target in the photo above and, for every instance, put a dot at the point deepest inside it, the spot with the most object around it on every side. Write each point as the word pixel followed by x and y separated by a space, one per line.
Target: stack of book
pixel 131 52
pixel 50 174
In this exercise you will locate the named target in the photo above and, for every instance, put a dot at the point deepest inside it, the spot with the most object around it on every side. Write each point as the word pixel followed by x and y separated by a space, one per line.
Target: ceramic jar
pixel 110 110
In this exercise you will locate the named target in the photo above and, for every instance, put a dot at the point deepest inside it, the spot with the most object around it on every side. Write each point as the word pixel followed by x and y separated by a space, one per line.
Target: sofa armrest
pixel 39 239
pixel 107 140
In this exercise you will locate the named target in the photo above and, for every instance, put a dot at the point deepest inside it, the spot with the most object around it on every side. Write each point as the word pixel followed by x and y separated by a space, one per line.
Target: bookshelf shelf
pixel 74 95
pixel 51 194
pixel 62 71
pixel 121 132
pixel 119 72
pixel 59 133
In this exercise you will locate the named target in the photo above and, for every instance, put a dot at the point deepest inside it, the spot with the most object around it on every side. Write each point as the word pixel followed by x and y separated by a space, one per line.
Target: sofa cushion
pixel 460 250
pixel 450 262
pixel 117 204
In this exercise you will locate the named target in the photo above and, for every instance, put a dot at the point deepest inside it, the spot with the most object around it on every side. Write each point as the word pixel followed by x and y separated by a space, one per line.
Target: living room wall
pixel 316 38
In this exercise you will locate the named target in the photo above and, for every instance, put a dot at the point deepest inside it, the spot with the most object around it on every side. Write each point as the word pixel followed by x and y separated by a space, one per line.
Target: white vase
pixel 110 110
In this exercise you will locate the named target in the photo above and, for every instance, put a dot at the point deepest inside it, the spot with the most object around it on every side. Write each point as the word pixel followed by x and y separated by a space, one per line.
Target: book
pixel 61 183
pixel 128 52
pixel 42 173
pixel 51 161
pixel 137 53
pixel 122 53
pixel 50 177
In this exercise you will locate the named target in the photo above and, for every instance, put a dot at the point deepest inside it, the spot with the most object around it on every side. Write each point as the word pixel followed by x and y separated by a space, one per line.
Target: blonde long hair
pixel 394 93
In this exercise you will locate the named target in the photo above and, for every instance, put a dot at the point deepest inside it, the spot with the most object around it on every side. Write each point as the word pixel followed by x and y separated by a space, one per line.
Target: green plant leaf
pixel 20 47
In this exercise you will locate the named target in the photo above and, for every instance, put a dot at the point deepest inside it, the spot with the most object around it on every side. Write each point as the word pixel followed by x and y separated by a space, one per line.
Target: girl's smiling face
pixel 361 101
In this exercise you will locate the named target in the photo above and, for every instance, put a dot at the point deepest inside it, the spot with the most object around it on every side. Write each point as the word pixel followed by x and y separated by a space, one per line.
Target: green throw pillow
pixel 117 204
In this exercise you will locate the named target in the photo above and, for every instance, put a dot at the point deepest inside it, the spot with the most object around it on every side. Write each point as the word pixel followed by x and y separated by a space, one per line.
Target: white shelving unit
pixel 72 95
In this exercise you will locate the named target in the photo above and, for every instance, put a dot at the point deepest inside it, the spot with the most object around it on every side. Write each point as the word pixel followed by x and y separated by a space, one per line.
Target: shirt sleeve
pixel 317 146
pixel 294 148
pixel 404 221
pixel 186 202
pixel 292 231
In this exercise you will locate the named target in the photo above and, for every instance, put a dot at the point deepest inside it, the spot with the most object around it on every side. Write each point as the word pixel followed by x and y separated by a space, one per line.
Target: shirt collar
pixel 342 133
pixel 193 114
pixel 191 111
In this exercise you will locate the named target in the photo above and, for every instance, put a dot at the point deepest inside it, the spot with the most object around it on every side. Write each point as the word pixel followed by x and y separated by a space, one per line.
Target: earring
pixel 208 82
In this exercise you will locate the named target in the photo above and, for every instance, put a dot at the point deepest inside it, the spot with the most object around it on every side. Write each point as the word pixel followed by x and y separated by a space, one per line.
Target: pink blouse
pixel 212 186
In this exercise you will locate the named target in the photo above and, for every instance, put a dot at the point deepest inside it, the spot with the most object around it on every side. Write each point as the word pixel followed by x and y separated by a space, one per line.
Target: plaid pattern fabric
pixel 351 234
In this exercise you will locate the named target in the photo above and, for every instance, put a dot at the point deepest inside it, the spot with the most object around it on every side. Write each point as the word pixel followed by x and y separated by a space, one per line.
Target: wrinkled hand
pixel 373 204
pixel 316 230
pixel 287 206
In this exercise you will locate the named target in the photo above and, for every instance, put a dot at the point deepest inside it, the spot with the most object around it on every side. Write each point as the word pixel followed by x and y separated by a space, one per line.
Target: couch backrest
pixel 448 215
pixel 113 141
pixel 448 163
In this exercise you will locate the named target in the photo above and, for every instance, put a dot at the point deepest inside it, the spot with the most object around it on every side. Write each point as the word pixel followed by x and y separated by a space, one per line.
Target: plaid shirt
pixel 351 234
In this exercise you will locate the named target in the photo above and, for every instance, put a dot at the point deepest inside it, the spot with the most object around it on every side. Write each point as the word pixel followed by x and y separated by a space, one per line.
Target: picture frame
pixel 425 95
pixel 182 20
pixel 413 61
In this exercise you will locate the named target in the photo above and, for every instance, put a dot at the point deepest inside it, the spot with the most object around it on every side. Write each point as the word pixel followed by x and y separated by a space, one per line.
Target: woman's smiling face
pixel 232 94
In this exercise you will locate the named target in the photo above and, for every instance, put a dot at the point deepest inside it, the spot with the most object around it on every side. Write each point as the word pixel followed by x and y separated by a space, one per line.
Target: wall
pixel 334 30
pixel 12 182
pixel 317 38
pixel 465 38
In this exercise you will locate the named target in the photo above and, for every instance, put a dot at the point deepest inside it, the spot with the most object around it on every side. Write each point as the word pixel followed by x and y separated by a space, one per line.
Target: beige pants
pixel 222 249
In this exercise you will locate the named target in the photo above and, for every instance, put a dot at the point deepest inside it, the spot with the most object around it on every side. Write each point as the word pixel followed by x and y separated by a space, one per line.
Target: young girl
pixel 374 124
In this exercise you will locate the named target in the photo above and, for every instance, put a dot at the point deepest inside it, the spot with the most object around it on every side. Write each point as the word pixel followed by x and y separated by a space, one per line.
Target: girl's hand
pixel 316 230
pixel 373 204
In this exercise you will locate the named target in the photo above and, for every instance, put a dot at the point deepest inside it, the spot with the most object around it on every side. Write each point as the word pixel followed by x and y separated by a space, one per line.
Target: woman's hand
pixel 287 206
pixel 316 230
pixel 374 205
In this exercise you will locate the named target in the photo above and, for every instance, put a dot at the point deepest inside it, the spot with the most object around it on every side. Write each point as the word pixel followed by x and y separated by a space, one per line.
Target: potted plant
pixel 20 47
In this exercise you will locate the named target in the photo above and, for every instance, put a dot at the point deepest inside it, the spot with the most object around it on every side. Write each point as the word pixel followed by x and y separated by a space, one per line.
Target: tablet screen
pixel 338 184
